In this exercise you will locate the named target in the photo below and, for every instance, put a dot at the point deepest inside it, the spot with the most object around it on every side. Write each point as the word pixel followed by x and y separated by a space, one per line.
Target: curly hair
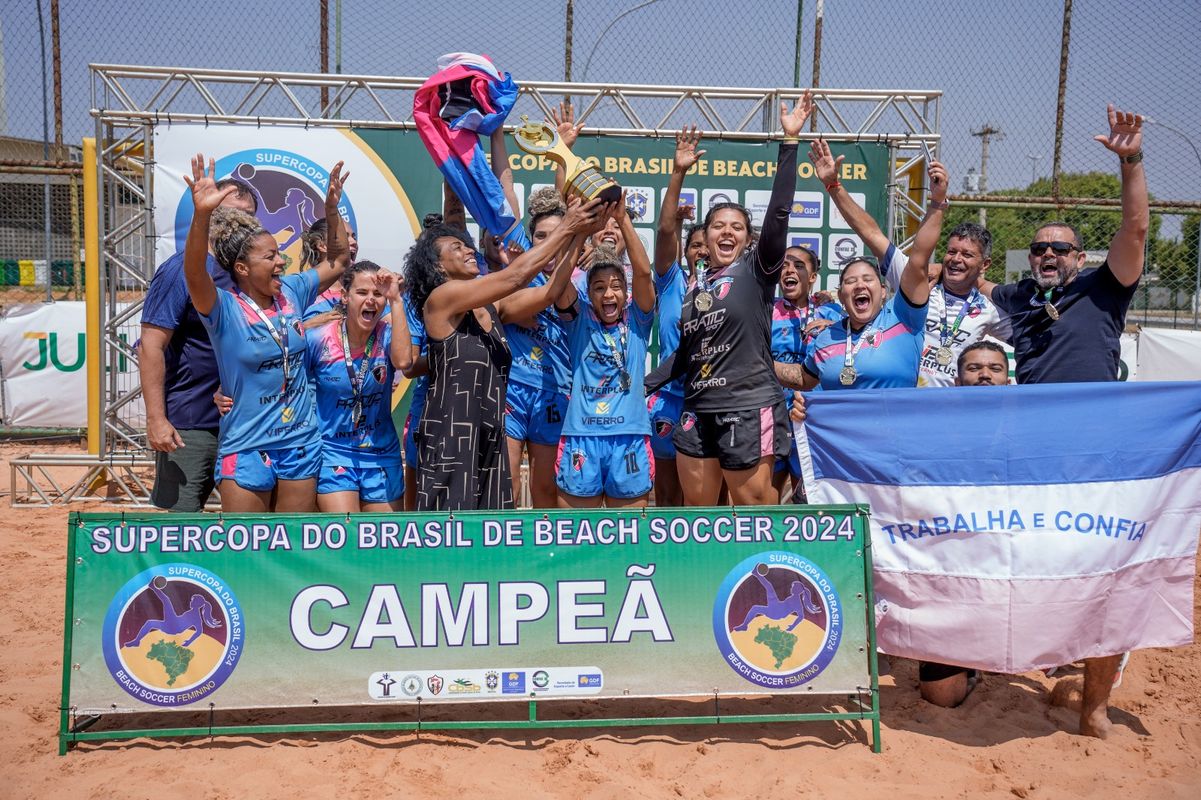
pixel 310 256
pixel 545 202
pixel 230 231
pixel 423 273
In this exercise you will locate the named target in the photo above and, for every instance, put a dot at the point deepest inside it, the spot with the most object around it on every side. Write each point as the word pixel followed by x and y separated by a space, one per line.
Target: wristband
pixel 934 204
pixel 830 187
pixel 1133 158
pixel 790 140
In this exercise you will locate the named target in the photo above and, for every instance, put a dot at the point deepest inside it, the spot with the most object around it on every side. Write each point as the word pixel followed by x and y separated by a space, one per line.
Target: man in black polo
pixel 1067 323
pixel 179 376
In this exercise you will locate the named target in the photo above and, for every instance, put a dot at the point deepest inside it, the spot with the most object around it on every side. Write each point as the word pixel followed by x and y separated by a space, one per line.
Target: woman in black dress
pixel 461 434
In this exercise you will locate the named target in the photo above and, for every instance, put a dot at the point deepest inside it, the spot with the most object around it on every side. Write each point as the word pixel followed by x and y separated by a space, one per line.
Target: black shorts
pixel 183 478
pixel 737 439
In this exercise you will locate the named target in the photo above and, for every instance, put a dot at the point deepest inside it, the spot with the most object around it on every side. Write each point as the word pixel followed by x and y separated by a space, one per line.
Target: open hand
pixel 203 183
pixel 565 124
pixel 825 165
pixel 686 153
pixel 793 121
pixel 1125 132
pixel 333 192
pixel 585 218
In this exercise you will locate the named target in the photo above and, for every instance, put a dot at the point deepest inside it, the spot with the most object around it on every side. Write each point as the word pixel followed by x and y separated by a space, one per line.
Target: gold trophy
pixel 583 179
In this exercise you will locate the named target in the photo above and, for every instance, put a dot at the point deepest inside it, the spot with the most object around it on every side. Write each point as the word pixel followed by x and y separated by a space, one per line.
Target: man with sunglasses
pixel 1067 324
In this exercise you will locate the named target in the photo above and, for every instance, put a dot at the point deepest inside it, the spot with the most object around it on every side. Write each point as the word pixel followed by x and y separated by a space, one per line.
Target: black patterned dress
pixel 461 436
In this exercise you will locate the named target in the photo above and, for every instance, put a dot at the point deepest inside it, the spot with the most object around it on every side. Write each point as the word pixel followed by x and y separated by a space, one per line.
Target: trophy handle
pixel 536 138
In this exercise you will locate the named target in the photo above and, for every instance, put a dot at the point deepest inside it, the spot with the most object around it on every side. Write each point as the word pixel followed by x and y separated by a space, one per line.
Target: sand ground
pixel 1005 741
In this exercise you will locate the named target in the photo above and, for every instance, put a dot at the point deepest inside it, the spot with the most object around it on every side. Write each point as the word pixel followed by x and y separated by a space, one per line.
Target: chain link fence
pixel 1025 88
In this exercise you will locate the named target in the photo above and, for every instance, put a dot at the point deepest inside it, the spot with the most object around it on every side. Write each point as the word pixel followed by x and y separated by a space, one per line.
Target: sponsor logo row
pixel 483 683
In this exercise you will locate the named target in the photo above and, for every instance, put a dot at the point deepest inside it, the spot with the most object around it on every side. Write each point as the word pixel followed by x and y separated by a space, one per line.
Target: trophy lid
pixel 535 137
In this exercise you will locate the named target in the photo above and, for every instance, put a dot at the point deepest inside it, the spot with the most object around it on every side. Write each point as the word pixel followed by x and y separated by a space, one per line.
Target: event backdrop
pixel 283 610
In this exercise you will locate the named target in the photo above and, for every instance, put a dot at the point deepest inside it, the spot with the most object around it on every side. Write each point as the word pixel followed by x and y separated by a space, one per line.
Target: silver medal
pixel 703 302
pixel 847 375
pixel 944 356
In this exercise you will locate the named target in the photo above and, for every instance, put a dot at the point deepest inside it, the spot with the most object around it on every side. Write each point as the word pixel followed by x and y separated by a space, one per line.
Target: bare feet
pixel 1094 707
pixel 1096 724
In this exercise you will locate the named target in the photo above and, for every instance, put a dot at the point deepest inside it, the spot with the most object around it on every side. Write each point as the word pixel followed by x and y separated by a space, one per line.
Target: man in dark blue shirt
pixel 179 376
pixel 1067 324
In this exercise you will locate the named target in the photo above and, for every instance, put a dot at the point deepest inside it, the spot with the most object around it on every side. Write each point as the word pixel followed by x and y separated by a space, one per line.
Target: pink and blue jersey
pixel 327 301
pixel 789 345
pixel 251 366
pixel 540 354
pixel 374 441
pixel 888 360
pixel 600 405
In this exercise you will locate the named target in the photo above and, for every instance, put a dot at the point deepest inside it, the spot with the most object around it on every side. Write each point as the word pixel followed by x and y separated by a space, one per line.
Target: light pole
pixel 599 39
pixel 1197 287
pixel 1033 167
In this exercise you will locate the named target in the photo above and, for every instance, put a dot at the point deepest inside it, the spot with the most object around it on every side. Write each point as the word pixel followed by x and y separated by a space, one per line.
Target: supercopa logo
pixel 173 634
pixel 290 190
pixel 777 620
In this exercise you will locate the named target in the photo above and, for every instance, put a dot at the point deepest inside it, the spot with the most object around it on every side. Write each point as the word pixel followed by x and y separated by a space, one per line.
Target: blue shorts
pixel 375 483
pixel 260 470
pixel 616 466
pixel 534 415
pixel 665 411
pixel 792 463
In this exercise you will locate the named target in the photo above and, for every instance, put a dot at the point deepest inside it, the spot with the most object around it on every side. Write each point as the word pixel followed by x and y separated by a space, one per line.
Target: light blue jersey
pixel 373 441
pixel 789 345
pixel 251 366
pixel 888 357
pixel 600 405
pixel 670 288
pixel 540 354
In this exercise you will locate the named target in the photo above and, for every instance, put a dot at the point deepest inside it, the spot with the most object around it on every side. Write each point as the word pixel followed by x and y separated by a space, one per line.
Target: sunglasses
pixel 1058 248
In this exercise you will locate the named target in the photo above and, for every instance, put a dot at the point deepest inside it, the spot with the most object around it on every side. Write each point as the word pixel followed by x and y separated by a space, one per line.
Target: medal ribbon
pixel 280 336
pixel 619 355
pixel 357 381
pixel 848 358
pixel 945 336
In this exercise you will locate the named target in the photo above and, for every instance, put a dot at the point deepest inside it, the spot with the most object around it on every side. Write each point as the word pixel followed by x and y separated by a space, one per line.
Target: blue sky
pixel 995 62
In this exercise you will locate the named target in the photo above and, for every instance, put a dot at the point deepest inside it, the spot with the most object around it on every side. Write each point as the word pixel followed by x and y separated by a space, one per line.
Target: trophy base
pixel 590 184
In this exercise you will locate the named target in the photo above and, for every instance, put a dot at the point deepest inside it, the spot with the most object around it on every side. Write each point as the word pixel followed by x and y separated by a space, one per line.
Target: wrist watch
pixel 1133 158
pixel 934 204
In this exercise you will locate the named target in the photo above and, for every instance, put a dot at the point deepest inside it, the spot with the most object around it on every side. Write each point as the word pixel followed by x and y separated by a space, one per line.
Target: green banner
pixel 740 172
pixel 197 611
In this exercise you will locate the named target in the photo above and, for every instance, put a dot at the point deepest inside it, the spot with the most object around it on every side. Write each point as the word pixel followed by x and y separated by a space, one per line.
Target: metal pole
pixel 46 155
pixel 796 59
pixel 570 26
pixel 817 54
pixel 323 15
pixel 1197 154
pixel 338 36
pixel 1064 48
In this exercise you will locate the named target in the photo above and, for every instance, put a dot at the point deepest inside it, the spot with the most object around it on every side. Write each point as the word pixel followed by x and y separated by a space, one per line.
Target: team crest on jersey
pixel 687 420
pixel 380 373
pixel 339 470
pixel 298 326
pixel 266 458
pixel 602 407
pixel 577 460
pixel 663 428
pixel 722 286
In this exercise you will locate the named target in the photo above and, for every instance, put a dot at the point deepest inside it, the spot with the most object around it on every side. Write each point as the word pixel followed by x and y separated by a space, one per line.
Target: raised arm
pixel 503 171
pixel 205 199
pixel 640 263
pixel 401 350
pixel 667 237
pixel 337 246
pixel 827 167
pixel 773 239
pixel 453 212
pixel 569 131
pixel 915 284
pixel 1127 248
pixel 457 297
pixel 521 306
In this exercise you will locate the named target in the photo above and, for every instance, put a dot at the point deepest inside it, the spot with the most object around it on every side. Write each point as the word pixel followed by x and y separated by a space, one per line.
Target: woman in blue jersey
pixel 268 448
pixel 540 377
pixel 352 362
pixel 798 315
pixel 605 454
pixel 878 344
pixel 460 437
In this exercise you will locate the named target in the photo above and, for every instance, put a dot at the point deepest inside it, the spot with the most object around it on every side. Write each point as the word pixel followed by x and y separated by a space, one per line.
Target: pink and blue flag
pixel 465 98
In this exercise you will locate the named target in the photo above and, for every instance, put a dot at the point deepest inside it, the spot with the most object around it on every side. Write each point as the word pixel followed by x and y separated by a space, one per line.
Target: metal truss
pixel 129 101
